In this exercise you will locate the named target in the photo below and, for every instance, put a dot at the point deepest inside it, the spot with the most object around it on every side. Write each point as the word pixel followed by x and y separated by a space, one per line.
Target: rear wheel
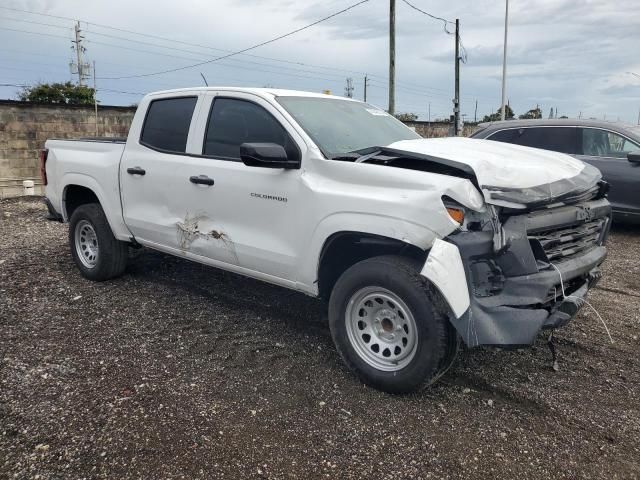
pixel 96 252
pixel 386 326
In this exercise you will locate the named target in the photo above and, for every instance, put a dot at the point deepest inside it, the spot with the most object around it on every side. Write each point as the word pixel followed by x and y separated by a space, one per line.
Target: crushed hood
pixel 509 175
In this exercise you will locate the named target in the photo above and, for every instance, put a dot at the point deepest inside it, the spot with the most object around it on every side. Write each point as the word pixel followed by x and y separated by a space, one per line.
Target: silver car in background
pixel 614 148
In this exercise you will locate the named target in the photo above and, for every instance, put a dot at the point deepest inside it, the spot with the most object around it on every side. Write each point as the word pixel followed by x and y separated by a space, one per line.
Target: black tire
pixel 435 349
pixel 112 256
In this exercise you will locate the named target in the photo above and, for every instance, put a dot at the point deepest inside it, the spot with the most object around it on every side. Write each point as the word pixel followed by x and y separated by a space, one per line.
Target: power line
pixel 320 76
pixel 157 37
pixel 435 17
pixel 33 33
pixel 241 67
pixel 165 39
pixel 334 75
pixel 35 23
pixel 280 37
pixel 463 57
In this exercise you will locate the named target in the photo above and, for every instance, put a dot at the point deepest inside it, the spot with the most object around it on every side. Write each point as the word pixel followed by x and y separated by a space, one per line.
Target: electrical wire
pixel 419 89
pixel 222 57
pixel 382 78
pixel 157 37
pixel 435 17
pixel 33 33
pixel 35 23
pixel 463 56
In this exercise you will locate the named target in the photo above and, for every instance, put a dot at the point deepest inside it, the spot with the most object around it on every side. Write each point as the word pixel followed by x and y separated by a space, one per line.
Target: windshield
pixel 341 126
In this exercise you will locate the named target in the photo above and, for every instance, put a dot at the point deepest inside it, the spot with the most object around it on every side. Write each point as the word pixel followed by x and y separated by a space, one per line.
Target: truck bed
pixel 89 162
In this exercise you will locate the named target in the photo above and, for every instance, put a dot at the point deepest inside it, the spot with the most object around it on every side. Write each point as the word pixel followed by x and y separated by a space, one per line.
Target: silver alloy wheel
pixel 86 242
pixel 381 329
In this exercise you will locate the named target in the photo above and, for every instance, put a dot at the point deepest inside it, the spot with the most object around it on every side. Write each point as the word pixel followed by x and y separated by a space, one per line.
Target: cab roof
pixel 262 92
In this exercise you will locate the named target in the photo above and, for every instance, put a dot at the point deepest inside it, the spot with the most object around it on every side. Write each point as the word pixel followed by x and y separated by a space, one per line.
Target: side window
pixel 166 126
pixel 558 139
pixel 603 143
pixel 233 122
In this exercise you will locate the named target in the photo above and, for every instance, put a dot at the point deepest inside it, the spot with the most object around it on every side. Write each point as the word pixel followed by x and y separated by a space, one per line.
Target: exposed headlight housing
pixel 454 209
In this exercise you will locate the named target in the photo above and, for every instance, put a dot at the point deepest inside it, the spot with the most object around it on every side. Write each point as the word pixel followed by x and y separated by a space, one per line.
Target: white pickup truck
pixel 417 244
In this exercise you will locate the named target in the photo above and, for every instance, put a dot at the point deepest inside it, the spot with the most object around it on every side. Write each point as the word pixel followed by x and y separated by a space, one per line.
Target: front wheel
pixel 386 326
pixel 96 252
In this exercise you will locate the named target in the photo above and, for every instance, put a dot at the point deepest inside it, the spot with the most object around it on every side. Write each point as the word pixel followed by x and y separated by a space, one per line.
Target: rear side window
pixel 558 139
pixel 167 124
pixel 233 122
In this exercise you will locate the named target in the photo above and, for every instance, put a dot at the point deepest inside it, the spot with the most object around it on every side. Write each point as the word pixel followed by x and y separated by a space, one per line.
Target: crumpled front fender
pixel 444 269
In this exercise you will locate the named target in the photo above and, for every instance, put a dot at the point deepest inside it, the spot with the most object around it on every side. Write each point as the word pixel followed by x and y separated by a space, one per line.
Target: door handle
pixel 201 179
pixel 136 171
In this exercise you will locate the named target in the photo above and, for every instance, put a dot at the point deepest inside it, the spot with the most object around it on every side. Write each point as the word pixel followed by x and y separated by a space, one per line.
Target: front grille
pixel 565 242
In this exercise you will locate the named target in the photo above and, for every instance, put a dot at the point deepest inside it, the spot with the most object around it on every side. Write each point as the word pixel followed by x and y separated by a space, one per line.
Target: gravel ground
pixel 177 370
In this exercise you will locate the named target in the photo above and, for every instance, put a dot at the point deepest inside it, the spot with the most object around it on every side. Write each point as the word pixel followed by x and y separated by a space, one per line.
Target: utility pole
pixel 348 89
pixel 429 114
pixel 639 116
pixel 79 51
pixel 95 97
pixel 504 59
pixel 456 100
pixel 366 84
pixel 392 56
pixel 475 113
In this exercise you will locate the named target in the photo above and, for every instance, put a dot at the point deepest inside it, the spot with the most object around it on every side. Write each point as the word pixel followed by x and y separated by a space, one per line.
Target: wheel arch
pixel 74 196
pixel 345 248
pixel 81 189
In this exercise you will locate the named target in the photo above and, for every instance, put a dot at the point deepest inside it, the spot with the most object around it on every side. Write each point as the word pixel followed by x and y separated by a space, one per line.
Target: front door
pixel 251 212
pixel 608 151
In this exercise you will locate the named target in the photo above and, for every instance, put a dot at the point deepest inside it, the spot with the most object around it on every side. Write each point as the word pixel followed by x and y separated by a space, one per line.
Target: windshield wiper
pixel 346 156
pixel 364 158
pixel 358 155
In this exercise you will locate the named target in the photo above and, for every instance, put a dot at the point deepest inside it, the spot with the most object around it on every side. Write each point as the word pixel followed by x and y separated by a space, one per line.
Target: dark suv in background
pixel 614 148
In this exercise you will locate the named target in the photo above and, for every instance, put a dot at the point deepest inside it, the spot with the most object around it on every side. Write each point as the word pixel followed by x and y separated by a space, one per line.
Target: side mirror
pixel 267 155
pixel 634 156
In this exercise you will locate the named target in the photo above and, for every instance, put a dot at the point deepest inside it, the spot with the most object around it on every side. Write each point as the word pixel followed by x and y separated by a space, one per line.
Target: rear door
pixel 608 151
pixel 153 170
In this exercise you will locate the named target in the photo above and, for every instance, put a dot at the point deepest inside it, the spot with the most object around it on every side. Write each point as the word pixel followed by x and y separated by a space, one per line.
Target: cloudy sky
pixel 572 55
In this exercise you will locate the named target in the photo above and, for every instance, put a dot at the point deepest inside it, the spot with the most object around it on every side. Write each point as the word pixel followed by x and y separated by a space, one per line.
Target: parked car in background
pixel 614 148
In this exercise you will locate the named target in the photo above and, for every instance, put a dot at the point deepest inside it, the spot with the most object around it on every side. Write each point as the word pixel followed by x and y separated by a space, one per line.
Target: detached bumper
pixel 509 297
pixel 530 303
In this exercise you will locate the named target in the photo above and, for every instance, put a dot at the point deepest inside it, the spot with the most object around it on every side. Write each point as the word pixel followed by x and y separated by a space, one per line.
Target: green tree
pixel 494 117
pixel 407 117
pixel 533 113
pixel 68 93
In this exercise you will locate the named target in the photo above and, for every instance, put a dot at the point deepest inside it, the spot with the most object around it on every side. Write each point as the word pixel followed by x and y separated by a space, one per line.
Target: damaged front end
pixel 525 261
pixel 526 268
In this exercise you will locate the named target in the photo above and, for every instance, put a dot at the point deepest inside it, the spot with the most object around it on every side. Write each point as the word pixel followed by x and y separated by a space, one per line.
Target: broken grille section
pixel 565 242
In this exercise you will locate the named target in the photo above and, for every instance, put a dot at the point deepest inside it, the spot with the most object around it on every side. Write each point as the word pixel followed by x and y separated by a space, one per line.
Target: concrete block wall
pixel 25 126
pixel 439 129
